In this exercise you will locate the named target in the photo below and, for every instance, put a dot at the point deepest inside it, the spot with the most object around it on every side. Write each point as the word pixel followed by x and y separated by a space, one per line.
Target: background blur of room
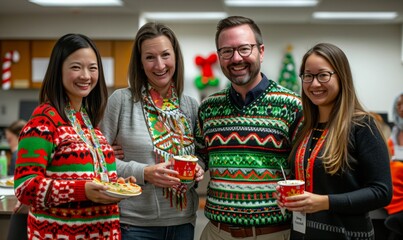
pixel 373 46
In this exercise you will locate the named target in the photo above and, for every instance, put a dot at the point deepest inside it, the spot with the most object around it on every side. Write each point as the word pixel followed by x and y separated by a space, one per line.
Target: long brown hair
pixel 137 76
pixel 347 110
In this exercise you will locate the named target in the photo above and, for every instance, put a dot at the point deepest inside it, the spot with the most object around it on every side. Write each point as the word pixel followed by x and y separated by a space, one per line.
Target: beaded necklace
pixel 92 142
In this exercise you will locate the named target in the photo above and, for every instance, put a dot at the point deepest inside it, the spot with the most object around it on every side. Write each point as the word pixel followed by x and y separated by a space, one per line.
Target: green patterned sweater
pixel 243 150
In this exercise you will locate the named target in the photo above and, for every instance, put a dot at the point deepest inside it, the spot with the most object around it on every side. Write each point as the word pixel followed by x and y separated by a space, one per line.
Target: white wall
pixel 374 51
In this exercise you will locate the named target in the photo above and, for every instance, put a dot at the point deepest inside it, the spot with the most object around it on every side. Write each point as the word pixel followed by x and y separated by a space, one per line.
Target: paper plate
pixel 3 183
pixel 119 195
pixel 119 190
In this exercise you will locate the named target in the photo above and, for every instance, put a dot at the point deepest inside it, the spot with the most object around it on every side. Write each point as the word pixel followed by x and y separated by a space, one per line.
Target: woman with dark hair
pixel 61 150
pixel 340 153
pixel 151 121
pixel 12 134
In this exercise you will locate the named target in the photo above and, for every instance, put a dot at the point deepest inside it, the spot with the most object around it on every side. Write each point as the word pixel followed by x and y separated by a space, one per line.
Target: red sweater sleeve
pixel 38 179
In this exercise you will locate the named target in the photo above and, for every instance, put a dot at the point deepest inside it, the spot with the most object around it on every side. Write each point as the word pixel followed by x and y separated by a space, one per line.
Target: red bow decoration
pixel 207 75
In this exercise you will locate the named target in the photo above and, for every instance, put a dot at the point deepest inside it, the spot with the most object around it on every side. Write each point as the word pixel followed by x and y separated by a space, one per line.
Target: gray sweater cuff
pixel 131 168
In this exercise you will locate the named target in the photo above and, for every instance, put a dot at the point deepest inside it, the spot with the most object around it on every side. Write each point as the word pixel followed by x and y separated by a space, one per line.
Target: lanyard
pixel 93 143
pixel 307 174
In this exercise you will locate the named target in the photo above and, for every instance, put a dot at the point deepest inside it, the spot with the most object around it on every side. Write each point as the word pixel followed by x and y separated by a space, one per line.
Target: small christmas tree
pixel 288 76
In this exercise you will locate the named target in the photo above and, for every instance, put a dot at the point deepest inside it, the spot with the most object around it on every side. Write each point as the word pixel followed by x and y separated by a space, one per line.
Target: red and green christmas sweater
pixel 243 149
pixel 53 165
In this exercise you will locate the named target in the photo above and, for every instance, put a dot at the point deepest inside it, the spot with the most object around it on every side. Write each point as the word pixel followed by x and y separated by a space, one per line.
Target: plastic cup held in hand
pixel 290 188
pixel 185 165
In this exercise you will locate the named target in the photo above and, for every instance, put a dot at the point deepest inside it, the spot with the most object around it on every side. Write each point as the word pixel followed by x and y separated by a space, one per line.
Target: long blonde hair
pixel 347 110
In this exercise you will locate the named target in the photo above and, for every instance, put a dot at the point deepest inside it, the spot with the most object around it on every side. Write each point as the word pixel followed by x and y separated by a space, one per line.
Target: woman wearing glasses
pixel 340 154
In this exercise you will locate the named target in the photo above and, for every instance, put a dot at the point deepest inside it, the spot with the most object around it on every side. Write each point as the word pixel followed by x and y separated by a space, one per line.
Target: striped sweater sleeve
pixel 33 184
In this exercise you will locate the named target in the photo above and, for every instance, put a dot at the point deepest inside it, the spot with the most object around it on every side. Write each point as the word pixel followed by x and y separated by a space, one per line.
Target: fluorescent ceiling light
pixel 184 15
pixel 355 15
pixel 77 3
pixel 271 3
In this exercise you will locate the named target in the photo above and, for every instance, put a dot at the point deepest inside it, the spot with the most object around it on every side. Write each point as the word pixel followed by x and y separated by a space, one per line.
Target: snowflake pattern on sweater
pixel 243 150
pixel 53 166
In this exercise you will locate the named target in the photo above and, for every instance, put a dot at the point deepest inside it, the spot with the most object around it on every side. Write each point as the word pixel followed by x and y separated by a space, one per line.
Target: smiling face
pixel 321 94
pixel 241 71
pixel 80 75
pixel 158 60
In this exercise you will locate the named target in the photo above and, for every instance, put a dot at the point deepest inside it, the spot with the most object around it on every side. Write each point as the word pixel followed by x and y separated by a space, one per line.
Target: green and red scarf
pixel 171 133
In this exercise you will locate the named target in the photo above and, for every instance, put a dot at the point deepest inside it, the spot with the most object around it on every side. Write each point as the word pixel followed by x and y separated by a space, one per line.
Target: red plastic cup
pixel 290 188
pixel 185 165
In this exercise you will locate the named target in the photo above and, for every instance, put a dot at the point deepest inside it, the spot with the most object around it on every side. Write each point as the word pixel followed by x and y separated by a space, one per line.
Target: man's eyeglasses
pixel 243 50
pixel 322 77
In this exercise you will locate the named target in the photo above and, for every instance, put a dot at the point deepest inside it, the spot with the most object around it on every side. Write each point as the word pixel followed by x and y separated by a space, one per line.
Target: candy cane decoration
pixel 9 57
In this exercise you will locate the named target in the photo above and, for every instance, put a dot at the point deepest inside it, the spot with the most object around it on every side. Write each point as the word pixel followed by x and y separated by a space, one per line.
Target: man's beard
pixel 242 80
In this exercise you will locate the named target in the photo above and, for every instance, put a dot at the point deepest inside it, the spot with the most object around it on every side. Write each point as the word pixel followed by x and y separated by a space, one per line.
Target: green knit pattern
pixel 243 149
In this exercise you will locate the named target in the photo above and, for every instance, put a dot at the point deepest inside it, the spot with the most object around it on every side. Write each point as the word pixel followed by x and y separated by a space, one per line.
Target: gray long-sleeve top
pixel 124 123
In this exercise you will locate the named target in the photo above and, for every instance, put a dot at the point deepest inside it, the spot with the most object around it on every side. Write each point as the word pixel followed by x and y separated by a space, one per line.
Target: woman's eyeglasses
pixel 322 77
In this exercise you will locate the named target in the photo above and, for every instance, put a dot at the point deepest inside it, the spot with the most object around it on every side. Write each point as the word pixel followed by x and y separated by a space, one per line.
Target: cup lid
pixel 291 182
pixel 190 158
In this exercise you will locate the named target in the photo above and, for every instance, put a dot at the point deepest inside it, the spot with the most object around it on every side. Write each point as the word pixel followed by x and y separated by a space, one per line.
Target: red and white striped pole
pixel 9 57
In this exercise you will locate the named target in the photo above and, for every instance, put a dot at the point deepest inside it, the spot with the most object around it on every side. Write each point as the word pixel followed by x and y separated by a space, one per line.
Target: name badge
pixel 299 222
